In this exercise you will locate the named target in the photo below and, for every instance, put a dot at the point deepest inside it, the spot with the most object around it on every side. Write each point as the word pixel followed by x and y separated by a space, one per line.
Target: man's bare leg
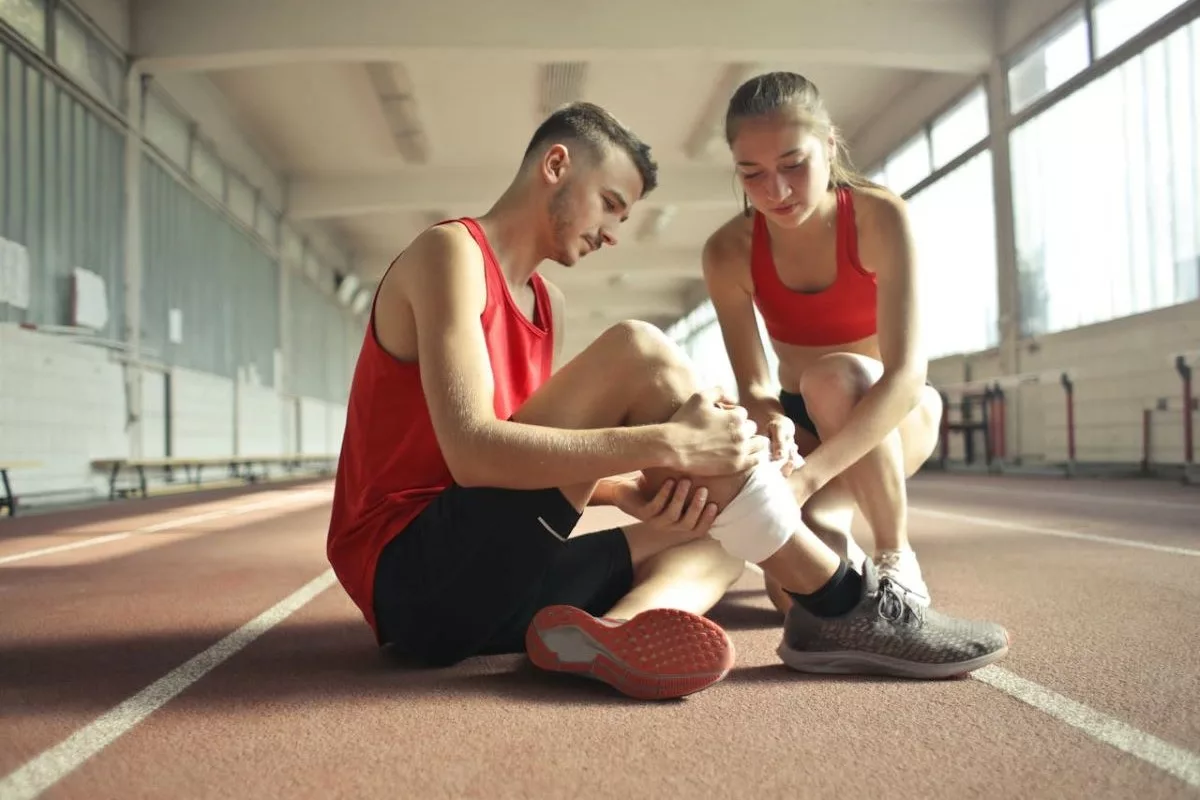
pixel 841 622
pixel 634 375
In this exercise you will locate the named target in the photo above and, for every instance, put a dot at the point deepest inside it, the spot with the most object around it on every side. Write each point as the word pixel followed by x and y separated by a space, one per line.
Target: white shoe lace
pixel 901 567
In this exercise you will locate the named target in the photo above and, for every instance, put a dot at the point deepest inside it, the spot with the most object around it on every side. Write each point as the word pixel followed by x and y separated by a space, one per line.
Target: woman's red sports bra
pixel 844 312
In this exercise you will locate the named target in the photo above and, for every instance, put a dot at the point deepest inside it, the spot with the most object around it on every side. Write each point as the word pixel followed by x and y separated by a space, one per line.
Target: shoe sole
pixel 855 663
pixel 658 655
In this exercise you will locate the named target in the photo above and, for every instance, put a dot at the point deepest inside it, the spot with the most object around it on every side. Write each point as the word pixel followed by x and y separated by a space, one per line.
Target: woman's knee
pixel 833 385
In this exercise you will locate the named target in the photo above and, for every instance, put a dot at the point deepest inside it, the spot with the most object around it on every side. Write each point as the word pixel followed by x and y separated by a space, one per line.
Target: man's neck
pixel 514 238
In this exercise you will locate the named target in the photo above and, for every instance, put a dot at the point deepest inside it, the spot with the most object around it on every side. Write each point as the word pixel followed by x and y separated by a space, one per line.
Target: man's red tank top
pixel 391 466
pixel 844 312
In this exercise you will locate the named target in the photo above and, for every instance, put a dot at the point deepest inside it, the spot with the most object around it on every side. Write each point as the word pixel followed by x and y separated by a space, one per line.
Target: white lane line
pixel 48 768
pixel 1087 537
pixel 162 526
pixel 1015 491
pixel 1174 760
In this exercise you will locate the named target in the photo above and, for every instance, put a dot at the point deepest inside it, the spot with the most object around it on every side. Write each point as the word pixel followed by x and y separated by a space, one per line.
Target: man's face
pixel 590 202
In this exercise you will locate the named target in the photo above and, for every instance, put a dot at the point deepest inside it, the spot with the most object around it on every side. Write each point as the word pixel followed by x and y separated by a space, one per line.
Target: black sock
pixel 838 596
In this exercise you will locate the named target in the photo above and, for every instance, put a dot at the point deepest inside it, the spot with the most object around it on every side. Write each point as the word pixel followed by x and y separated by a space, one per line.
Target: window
pixel 266 222
pixel 960 128
pixel 241 199
pixel 1050 64
pixel 28 18
pixel 954 227
pixel 87 59
pixel 166 130
pixel 292 249
pixel 208 171
pixel 1118 21
pixel 1105 187
pixel 909 165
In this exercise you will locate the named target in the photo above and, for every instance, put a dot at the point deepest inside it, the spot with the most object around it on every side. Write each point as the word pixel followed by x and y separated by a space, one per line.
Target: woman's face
pixel 782 165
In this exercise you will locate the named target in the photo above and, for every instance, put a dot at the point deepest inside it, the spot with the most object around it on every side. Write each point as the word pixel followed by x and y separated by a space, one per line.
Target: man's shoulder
pixel 444 252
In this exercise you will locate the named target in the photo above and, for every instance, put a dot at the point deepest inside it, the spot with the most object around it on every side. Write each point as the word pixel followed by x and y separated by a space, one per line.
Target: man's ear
pixel 555 163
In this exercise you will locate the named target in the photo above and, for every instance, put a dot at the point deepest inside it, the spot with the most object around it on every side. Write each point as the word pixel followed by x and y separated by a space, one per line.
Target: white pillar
pixel 135 94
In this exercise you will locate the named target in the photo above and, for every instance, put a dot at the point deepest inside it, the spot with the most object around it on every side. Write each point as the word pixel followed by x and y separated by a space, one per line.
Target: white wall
pixel 63 404
pixel 1120 368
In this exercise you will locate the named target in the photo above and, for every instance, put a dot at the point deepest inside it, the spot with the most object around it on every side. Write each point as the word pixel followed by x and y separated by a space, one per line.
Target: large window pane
pixel 909 165
pixel 1118 21
pixel 960 128
pixel 1107 216
pixel 167 130
pixel 953 223
pixel 1060 57
pixel 28 18
pixel 87 59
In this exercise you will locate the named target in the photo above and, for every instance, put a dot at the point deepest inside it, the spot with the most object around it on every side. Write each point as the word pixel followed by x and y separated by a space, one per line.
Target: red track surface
pixel 312 709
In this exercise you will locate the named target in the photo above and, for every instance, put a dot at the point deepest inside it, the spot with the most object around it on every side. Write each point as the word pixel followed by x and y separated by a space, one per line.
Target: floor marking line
pixel 60 548
pixel 48 768
pixel 1087 537
pixel 936 485
pixel 156 528
pixel 1172 759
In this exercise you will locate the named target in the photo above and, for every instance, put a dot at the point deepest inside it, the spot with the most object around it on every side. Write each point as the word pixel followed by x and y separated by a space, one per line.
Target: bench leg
pixel 142 481
pixel 112 482
pixel 9 500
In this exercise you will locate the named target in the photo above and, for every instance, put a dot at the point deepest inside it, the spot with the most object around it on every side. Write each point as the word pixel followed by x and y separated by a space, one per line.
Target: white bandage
pixel 762 517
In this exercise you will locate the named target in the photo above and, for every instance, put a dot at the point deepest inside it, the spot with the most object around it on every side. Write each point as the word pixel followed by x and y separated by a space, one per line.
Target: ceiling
pixel 385 116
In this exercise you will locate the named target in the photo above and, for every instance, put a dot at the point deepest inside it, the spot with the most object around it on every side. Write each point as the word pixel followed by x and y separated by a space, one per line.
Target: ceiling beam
pixel 226 34
pixel 472 190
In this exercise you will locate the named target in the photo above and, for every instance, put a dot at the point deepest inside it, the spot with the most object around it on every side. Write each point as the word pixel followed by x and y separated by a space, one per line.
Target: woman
pixel 827 258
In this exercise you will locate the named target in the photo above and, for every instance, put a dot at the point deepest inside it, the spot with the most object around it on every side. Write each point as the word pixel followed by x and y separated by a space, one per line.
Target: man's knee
pixel 646 352
pixel 643 342
pixel 832 386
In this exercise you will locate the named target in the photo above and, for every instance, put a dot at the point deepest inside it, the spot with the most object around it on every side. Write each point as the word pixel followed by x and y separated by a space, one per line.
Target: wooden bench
pixel 9 500
pixel 239 468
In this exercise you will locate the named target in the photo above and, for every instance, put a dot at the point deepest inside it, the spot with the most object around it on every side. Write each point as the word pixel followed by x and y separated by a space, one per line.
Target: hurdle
pixel 1186 404
pixel 991 395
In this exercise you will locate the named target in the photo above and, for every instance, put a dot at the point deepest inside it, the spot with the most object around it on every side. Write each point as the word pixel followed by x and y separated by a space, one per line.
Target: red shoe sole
pixel 659 654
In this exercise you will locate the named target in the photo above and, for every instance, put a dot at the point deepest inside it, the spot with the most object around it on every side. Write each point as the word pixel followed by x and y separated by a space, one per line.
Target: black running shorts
pixel 468 574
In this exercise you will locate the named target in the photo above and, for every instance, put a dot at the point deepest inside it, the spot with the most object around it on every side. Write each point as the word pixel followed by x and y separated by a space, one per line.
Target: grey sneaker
pixel 901 567
pixel 888 633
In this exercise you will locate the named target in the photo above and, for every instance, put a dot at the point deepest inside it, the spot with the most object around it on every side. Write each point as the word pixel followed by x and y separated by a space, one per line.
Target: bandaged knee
pixel 760 519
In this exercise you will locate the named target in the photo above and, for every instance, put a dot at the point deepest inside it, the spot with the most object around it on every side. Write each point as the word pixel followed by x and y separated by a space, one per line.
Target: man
pixel 466 465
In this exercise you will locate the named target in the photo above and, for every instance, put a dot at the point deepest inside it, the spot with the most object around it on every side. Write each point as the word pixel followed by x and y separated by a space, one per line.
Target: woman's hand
pixel 674 508
pixel 781 432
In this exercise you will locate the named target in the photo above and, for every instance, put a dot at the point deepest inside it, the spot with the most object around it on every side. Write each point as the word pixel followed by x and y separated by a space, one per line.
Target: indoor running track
pixel 198 647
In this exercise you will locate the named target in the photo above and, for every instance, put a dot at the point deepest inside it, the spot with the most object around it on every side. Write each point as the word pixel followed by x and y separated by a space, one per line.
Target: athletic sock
pixel 838 596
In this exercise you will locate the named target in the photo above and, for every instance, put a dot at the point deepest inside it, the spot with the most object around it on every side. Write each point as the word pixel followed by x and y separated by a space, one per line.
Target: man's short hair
pixel 596 128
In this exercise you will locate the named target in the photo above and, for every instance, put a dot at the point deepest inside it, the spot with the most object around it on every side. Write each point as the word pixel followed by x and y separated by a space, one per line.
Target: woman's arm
pixel 889 244
pixel 734 307
pixel 726 275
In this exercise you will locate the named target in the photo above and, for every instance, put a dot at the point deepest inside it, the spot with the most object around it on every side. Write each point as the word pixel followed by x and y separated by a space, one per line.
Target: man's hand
pixel 670 510
pixel 713 436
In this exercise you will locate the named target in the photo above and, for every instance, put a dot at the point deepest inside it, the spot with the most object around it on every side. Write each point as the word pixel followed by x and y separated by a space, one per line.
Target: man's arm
pixel 445 288
pixel 603 493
